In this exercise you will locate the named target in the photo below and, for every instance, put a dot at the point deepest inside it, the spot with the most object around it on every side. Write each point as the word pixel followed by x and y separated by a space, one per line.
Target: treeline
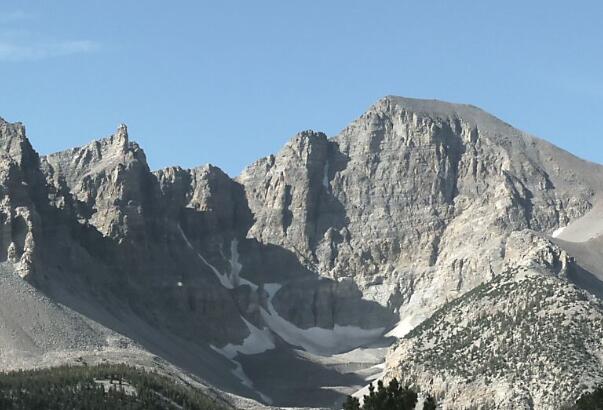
pixel 397 397
pixel 99 387
pixel 392 397
pixel 590 401
pixel 122 387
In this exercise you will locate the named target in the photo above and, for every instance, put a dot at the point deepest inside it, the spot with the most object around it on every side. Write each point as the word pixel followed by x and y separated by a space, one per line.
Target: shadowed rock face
pixel 306 256
pixel 399 200
pixel 162 258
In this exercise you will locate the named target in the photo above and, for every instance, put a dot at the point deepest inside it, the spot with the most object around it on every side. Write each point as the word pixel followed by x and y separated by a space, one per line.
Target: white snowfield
pixel 558 232
pixel 258 341
pixel 372 380
pixel 317 340
pixel 406 325
pixel 583 229
pixel 235 268
pixel 224 280
pixel 228 280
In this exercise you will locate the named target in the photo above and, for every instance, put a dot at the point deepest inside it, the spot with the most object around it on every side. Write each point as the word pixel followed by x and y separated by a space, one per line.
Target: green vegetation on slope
pixel 590 401
pixel 396 397
pixel 392 397
pixel 524 328
pixel 98 387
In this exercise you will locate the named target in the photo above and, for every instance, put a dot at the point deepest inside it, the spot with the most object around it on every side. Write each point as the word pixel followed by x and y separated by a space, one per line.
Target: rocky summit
pixel 428 241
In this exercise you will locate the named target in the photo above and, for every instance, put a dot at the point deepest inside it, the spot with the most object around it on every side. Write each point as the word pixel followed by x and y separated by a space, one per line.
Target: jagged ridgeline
pixel 428 242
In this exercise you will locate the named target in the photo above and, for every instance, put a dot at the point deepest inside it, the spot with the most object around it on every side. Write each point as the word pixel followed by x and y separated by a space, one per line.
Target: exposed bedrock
pixel 311 253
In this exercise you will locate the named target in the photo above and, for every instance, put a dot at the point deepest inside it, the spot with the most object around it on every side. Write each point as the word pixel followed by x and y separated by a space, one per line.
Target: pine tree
pixel 352 403
pixel 591 401
pixel 429 403
pixel 392 397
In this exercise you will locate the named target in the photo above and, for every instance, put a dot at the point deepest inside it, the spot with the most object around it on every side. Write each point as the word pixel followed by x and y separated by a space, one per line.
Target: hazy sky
pixel 229 81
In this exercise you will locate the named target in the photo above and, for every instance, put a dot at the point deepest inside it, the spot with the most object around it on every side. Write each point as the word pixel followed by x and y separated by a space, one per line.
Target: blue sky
pixel 228 81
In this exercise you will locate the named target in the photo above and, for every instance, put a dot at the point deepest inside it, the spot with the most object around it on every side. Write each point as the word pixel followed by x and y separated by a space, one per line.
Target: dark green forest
pixel 99 387
pixel 390 397
pixel 119 386
pixel 590 401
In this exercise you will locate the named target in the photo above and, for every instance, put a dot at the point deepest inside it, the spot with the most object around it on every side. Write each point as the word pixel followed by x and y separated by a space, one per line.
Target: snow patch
pixel 271 289
pixel 240 374
pixel 558 231
pixel 316 340
pixel 238 371
pixel 224 280
pixel 585 228
pixel 372 379
pixel 406 325
pixel 258 341
pixel 229 280
pixel 236 267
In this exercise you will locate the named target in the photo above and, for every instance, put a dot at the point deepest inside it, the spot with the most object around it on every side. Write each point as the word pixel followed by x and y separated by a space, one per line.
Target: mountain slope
pixel 399 200
pixel 316 258
pixel 524 340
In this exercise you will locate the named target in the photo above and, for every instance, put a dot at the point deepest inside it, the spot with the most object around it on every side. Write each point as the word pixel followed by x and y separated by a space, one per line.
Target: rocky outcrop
pixel 19 192
pixel 170 248
pixel 423 202
pixel 323 247
pixel 208 191
pixel 527 339
pixel 110 180
pixel 289 196
pixel 399 200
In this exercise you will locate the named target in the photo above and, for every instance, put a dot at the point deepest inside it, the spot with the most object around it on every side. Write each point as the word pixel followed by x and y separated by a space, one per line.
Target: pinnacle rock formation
pixel 427 241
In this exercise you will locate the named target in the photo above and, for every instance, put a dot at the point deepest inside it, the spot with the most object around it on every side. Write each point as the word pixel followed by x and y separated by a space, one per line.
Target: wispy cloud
pixel 16 51
pixel 19 42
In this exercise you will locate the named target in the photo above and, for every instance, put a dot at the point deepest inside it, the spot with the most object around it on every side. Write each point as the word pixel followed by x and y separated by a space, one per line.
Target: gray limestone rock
pixel 317 257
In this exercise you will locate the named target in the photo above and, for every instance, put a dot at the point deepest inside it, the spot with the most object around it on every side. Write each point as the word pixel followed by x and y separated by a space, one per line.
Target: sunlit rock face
pixel 419 202
pixel 316 258
pixel 399 200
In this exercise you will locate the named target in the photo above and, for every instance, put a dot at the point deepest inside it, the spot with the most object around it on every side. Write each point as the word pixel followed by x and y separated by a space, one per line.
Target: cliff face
pixel 317 251
pixel 22 193
pixel 399 200
pixel 109 180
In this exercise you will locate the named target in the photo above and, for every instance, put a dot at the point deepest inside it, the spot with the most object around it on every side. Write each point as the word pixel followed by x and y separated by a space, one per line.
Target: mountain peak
pixel 429 106
pixel 117 142
pixel 425 104
pixel 14 142
pixel 121 134
pixel 443 110
pixel 418 207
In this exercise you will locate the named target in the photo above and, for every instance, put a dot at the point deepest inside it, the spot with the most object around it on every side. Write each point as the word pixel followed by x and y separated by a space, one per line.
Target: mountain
pixel 428 241
pixel 523 340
